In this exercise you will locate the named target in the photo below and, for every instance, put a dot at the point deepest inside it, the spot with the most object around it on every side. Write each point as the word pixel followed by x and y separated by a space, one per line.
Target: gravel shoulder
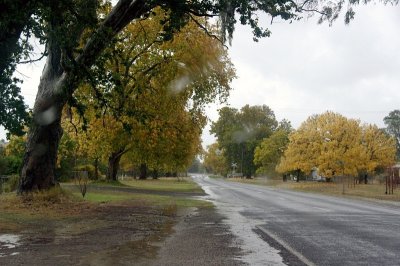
pixel 201 238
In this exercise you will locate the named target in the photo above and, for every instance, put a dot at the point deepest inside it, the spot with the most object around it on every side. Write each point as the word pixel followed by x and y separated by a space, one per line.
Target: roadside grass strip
pixel 164 184
pixel 368 191
pixel 142 199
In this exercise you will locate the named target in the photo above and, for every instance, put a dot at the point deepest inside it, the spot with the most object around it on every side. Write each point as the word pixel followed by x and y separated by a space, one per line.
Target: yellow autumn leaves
pixel 336 145
pixel 148 101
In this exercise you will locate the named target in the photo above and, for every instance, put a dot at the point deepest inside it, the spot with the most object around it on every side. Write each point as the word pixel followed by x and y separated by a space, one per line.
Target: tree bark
pixel 113 165
pixel 56 87
pixel 143 171
pixel 96 169
pixel 38 170
pixel 155 174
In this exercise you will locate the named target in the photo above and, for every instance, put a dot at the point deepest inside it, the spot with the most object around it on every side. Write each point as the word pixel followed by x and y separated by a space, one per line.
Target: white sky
pixel 305 68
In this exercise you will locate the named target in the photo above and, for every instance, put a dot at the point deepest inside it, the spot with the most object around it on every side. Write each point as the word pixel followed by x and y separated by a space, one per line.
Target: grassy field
pixel 165 184
pixel 68 202
pixel 371 191
pixel 143 195
pixel 142 199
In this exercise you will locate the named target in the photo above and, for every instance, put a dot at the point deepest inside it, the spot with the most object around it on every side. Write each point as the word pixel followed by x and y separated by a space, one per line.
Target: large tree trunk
pixel 155 174
pixel 56 87
pixel 143 171
pixel 38 170
pixel 113 165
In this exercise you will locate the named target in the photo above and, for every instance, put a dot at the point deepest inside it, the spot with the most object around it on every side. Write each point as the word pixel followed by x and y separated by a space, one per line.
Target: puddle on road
pixel 8 242
pixel 256 250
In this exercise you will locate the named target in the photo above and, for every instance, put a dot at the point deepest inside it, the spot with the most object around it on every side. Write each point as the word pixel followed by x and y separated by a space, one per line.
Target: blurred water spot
pixel 46 117
pixel 179 84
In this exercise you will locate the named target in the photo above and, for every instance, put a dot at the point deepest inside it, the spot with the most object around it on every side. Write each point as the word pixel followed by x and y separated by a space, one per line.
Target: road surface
pixel 302 228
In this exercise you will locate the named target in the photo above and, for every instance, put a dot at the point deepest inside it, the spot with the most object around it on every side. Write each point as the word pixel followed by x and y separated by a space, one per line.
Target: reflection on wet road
pixel 8 242
pixel 317 229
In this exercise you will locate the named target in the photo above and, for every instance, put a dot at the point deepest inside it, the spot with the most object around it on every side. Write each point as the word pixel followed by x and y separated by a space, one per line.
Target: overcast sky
pixel 305 68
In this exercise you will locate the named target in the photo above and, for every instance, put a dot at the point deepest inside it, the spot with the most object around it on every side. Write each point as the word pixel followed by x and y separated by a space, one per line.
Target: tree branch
pixel 206 31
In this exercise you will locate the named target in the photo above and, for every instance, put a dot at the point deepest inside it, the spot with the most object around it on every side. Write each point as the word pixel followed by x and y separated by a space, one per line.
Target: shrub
pixel 12 183
pixel 90 169
pixel 13 164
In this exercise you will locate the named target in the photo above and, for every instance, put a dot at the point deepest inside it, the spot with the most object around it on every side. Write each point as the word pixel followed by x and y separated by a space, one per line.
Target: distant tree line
pixel 251 141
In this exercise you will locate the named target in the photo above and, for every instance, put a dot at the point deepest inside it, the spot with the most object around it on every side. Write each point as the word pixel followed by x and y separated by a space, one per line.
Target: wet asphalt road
pixel 317 229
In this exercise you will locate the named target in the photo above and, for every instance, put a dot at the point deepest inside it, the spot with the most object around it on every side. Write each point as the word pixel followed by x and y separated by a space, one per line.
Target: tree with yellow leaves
pixel 155 92
pixel 336 146
pixel 215 161
pixel 379 148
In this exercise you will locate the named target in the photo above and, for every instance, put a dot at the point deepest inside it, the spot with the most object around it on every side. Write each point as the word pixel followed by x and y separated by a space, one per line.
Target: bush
pixel 11 184
pixel 10 165
pixel 3 165
pixel 90 169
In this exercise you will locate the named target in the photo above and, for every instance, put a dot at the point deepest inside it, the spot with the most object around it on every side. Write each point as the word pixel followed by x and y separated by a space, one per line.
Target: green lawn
pixel 142 199
pixel 165 184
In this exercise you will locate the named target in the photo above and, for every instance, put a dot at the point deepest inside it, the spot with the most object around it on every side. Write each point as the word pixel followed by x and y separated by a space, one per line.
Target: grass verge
pixel 168 185
pixel 142 199
pixel 63 204
pixel 165 184
pixel 369 191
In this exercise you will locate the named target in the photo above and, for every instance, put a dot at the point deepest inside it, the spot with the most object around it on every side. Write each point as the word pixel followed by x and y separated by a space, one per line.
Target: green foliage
pixel 3 165
pixel 12 164
pixel 20 20
pixel 12 183
pixel 269 152
pixel 90 169
pixel 13 111
pixel 11 156
pixel 392 122
pixel 67 157
pixel 196 167
pixel 240 132
pixel 16 146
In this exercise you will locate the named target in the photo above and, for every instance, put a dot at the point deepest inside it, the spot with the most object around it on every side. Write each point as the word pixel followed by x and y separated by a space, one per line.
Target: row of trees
pixel 77 35
pixel 144 109
pixel 155 92
pixel 330 143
